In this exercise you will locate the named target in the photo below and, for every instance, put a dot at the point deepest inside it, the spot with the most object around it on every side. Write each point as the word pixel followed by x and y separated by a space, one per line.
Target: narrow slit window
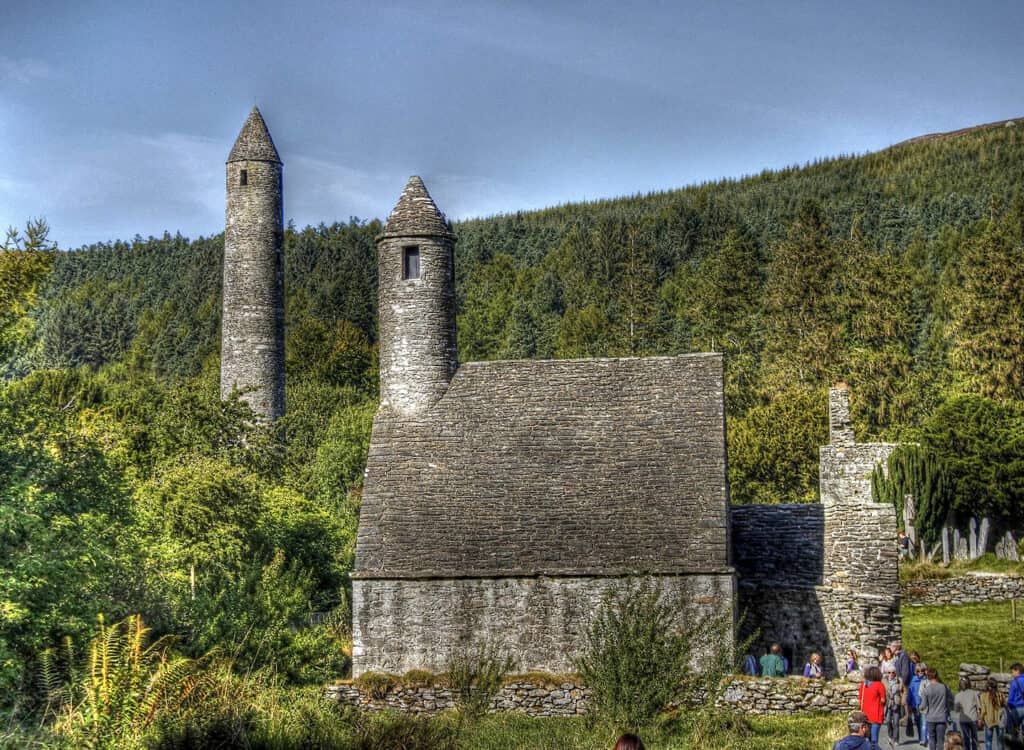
pixel 410 262
pixel 243 177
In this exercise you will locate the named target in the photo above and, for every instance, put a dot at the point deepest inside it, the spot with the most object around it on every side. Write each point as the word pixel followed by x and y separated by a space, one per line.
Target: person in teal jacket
pixel 772 664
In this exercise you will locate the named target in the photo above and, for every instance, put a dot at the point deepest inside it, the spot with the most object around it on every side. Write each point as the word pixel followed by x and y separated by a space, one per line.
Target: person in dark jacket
pixel 857 739
pixel 904 669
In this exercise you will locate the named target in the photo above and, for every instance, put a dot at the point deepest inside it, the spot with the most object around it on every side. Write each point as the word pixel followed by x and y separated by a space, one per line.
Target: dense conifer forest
pixel 128 487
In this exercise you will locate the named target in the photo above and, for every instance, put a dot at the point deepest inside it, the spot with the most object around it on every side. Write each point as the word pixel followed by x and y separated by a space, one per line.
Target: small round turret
pixel 252 339
pixel 416 277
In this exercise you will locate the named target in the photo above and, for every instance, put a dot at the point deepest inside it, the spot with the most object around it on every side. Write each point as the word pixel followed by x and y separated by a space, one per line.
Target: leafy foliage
pixel 914 471
pixel 646 648
pixel 477 675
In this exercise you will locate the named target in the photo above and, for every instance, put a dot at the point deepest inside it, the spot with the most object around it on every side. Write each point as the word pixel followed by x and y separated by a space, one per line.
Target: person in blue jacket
pixel 1015 700
pixel 857 739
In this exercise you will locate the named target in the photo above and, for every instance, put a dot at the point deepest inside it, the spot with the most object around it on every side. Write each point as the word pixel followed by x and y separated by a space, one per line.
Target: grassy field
pixel 916 571
pixel 513 732
pixel 978 633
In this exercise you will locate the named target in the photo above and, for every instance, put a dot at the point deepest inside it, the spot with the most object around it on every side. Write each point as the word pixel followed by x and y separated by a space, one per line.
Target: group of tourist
pixel 906 694
pixel 775 664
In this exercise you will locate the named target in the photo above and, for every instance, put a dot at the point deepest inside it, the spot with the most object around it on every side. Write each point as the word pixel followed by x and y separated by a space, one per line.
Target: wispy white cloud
pixel 23 70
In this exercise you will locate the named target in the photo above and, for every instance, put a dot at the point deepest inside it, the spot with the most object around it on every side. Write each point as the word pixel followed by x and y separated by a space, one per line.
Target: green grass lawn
pixel 517 732
pixel 912 570
pixel 977 633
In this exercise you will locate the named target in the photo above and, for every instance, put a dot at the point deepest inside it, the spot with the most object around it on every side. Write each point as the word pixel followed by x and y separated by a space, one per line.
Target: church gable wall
pixel 420 624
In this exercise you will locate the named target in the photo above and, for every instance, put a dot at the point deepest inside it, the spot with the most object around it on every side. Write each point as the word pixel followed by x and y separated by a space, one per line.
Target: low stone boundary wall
pixel 788 695
pixel 979 675
pixel 970 588
pixel 747 695
pixel 533 699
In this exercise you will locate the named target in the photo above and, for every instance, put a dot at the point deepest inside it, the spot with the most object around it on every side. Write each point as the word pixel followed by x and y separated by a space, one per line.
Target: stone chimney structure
pixel 840 427
pixel 860 571
pixel 416 278
pixel 252 339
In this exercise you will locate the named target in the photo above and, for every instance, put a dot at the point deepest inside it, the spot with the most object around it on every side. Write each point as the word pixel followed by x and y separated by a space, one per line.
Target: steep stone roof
pixel 416 214
pixel 564 467
pixel 254 142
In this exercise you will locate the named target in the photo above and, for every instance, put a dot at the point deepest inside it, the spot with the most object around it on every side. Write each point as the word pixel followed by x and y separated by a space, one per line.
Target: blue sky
pixel 116 117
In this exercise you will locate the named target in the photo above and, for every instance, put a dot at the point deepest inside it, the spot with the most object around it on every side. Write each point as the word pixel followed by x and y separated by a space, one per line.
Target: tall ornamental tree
pixel 985 294
pixel 920 473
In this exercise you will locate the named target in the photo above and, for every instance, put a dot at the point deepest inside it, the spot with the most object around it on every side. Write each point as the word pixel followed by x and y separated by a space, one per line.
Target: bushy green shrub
pixel 476 675
pixel 648 647
pixel 376 684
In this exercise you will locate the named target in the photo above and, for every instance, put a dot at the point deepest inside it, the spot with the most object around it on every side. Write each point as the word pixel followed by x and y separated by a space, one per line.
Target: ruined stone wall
pixel 252 340
pixel 861 573
pixel 822 577
pixel 418 351
pixel 399 625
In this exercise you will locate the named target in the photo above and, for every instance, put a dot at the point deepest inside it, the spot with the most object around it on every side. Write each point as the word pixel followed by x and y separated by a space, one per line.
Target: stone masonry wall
pixel 400 625
pixel 970 588
pixel 744 695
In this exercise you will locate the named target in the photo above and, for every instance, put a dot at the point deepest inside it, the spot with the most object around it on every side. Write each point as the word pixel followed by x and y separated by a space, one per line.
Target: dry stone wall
pixel 754 696
pixel 534 699
pixel 971 588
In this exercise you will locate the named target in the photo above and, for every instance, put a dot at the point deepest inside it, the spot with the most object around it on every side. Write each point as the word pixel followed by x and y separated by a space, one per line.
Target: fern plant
pixel 126 684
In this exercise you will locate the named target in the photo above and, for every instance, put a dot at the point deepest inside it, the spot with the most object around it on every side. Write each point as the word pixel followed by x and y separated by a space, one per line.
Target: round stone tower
pixel 416 270
pixel 252 340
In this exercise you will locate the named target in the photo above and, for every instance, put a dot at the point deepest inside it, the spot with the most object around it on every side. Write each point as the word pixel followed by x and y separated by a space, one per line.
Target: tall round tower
pixel 252 340
pixel 416 277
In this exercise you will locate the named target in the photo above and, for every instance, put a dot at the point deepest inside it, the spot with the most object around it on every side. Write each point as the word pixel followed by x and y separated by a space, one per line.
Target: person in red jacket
pixel 872 701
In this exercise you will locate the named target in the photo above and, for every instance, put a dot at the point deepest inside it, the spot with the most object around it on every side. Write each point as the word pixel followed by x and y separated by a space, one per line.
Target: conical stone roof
pixel 416 214
pixel 254 142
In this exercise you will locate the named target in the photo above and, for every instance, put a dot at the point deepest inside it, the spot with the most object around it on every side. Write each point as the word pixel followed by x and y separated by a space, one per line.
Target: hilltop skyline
pixel 118 123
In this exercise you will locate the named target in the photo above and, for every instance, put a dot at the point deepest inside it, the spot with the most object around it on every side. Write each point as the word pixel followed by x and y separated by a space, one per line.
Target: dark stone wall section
pixel 779 545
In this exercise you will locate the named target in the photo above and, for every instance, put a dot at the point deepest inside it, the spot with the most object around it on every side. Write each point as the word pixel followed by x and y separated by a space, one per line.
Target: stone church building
pixel 502 499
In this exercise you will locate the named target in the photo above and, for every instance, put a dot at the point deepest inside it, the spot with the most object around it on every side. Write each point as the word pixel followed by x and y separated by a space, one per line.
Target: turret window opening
pixel 243 177
pixel 410 263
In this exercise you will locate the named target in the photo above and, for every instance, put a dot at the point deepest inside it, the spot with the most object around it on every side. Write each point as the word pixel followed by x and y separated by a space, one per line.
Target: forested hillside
pixel 128 486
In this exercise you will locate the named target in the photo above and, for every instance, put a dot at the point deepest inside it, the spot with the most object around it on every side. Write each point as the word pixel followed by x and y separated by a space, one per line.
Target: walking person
pixel 914 716
pixel 1015 701
pixel 966 712
pixel 851 661
pixel 904 667
pixel 894 703
pixel 991 705
pixel 886 660
pixel 871 695
pixel 936 705
pixel 857 739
